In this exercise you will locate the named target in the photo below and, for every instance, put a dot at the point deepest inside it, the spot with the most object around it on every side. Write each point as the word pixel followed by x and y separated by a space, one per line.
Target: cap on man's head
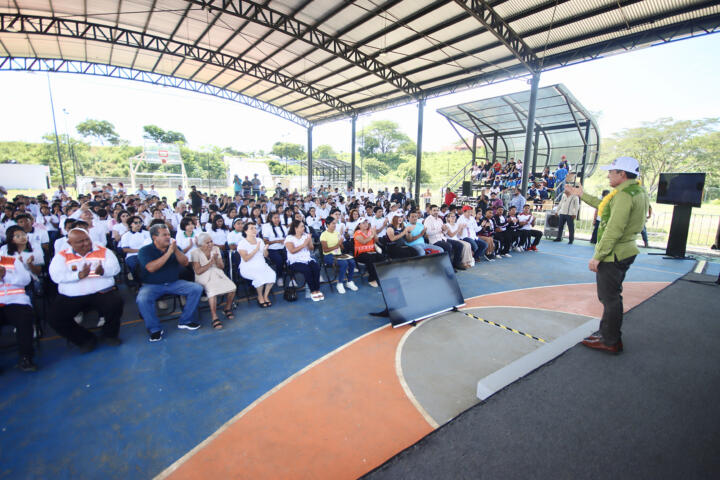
pixel 466 208
pixel 626 164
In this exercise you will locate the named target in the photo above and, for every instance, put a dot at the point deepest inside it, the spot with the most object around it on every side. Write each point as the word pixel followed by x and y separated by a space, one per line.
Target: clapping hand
pixel 84 272
pixel 99 270
pixel 30 260
pixel 2 273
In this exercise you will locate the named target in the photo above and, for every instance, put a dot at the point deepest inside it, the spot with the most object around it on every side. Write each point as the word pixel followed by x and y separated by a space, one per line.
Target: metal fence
pixel 703 227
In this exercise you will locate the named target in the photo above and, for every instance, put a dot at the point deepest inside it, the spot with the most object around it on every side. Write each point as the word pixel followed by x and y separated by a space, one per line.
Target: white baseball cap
pixel 626 164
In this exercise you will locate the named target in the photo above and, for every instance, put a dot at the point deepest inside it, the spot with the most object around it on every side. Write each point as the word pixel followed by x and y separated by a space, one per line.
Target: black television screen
pixel 681 189
pixel 418 287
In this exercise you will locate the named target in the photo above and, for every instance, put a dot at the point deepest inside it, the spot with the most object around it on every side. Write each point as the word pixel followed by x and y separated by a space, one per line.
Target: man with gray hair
pixel 160 266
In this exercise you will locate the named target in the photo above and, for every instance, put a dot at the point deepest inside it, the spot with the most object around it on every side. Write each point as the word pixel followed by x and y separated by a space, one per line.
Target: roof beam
pixel 61 27
pixel 57 65
pixel 485 14
pixel 280 22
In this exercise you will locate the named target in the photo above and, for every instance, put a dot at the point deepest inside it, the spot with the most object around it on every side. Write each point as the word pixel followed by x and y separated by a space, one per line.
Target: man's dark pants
pixel 571 227
pixel 610 276
pixel 108 305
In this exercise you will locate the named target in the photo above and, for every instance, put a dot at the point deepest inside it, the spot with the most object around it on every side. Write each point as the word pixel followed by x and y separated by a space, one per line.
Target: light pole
pixel 71 150
pixel 57 141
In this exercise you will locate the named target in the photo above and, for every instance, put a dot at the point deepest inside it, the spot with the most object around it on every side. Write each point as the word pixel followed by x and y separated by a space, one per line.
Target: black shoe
pixel 570 242
pixel 26 365
pixel 189 326
pixel 156 336
pixel 114 341
pixel 558 240
pixel 89 346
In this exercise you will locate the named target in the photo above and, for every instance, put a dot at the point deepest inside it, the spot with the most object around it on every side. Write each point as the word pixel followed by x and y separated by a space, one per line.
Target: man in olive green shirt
pixel 622 217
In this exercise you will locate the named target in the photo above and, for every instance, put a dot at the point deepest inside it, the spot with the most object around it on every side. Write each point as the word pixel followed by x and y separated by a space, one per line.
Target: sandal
pixel 261 304
pixel 229 314
pixel 217 324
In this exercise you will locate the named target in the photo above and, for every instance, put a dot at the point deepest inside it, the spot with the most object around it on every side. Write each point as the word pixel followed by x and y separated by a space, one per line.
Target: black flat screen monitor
pixel 418 287
pixel 681 189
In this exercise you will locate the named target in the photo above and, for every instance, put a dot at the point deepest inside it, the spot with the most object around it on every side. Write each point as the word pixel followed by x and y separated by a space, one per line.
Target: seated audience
pixel 85 275
pixel 161 263
pixel 16 308
pixel 332 253
pixel 208 266
pixel 299 246
pixel 253 267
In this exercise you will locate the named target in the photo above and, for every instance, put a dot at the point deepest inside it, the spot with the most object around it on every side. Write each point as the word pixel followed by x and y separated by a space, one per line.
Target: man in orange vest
pixel 85 275
pixel 16 309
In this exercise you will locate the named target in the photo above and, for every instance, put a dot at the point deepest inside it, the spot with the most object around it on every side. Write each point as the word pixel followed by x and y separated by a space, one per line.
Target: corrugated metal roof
pixel 321 59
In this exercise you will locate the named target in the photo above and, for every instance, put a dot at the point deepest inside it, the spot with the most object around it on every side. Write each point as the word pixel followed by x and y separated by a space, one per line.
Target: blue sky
pixel 678 80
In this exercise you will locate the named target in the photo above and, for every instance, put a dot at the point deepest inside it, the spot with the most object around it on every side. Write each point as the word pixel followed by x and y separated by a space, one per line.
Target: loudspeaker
pixel 467 188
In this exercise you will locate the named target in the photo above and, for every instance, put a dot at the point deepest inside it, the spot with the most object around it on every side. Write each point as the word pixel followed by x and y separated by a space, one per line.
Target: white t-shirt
pixel 468 227
pixel 270 234
pixel 525 218
pixel 183 241
pixel 303 256
pixel 135 241
pixel 234 237
pixel 219 236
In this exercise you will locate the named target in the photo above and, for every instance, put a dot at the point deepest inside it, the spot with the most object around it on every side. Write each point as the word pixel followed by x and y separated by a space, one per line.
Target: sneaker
pixel 351 285
pixel 101 322
pixel 315 297
pixel 487 259
pixel 189 326
pixel 518 249
pixel 78 318
pixel 156 336
pixel 340 288
pixel 162 305
pixel 27 365
pixel 373 284
pixel 279 282
pixel 507 255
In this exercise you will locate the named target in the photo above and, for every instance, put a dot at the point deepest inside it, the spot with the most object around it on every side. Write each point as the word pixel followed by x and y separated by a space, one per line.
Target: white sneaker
pixel 508 255
pixel 518 249
pixel 162 304
pixel 340 288
pixel 351 285
pixel 78 318
pixel 280 282
pixel 373 284
pixel 101 321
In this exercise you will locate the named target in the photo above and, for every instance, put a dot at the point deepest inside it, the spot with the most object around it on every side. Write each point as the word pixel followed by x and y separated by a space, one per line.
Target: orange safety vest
pixel 8 263
pixel 72 257
pixel 360 248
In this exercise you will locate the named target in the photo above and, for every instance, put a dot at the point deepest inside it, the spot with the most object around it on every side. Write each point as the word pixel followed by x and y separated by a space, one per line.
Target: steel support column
pixel 585 152
pixel 418 154
pixel 57 140
pixel 309 158
pixel 535 151
pixel 529 131
pixel 474 150
pixel 352 151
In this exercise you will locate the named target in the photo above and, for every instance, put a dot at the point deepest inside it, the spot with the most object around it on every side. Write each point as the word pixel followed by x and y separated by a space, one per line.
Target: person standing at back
pixel 622 217
pixel 567 209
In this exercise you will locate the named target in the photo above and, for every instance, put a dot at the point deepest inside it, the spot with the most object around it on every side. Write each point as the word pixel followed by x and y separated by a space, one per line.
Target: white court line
pixel 499 379
pixel 634 266
pixel 551 286
pixel 700 267
pixel 169 470
pixel 401 377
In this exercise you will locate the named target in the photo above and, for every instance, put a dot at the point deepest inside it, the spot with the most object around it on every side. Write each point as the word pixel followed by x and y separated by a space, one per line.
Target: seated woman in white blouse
pixel 299 246
pixel 253 252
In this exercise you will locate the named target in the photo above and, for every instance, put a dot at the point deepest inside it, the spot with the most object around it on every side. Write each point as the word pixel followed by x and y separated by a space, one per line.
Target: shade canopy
pixel 563 128
pixel 314 61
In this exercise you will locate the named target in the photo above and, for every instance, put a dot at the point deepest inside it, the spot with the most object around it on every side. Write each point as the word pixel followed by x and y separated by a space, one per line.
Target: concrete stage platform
pixel 301 390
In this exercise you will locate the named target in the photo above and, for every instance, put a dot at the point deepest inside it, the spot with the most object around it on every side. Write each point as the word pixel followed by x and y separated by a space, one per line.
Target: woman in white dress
pixel 252 252
pixel 208 266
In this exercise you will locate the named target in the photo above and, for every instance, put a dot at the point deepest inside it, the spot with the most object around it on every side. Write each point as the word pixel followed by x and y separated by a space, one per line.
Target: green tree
pixel 406 171
pixel 102 130
pixel 288 150
pixel 325 152
pixel 665 145
pixel 382 137
pixel 375 168
pixel 157 134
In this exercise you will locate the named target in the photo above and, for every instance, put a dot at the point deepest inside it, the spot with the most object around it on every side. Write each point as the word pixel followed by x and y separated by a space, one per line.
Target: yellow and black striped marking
pixel 489 322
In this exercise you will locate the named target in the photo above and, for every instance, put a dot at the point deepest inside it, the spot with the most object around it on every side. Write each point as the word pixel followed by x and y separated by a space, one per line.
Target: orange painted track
pixel 348 413
pixel 339 419
pixel 580 298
